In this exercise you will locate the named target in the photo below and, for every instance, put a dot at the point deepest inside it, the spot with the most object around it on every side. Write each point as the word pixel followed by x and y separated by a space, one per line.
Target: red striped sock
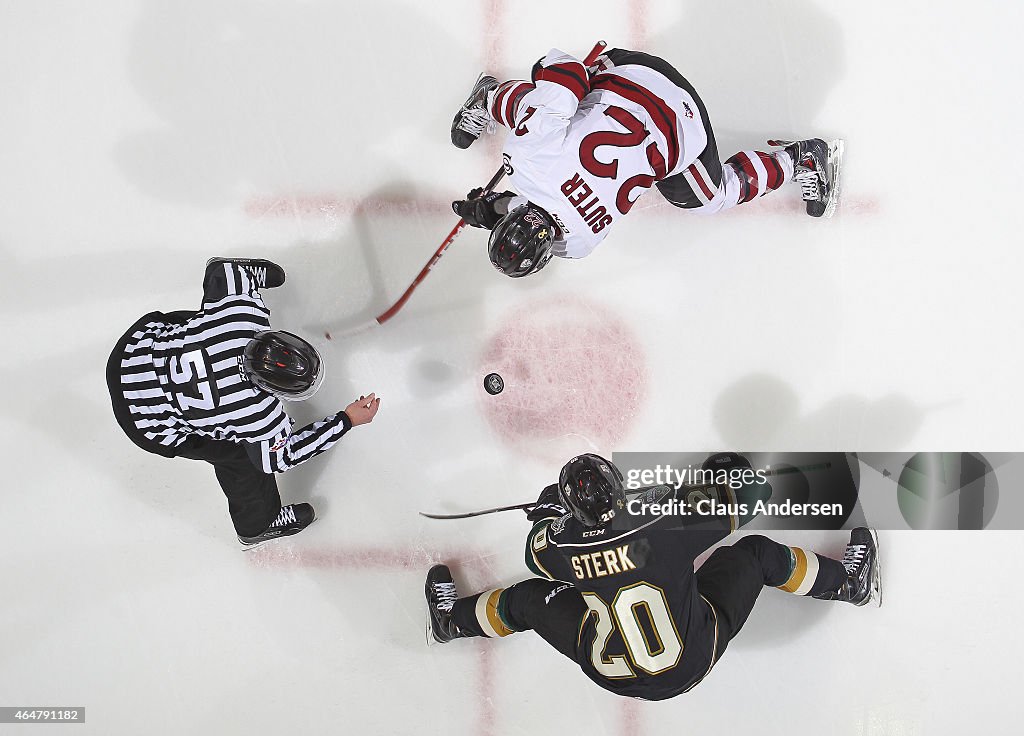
pixel 504 101
pixel 759 172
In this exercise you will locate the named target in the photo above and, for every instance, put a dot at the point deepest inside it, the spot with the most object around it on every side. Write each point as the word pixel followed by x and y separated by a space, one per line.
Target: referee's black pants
pixel 253 498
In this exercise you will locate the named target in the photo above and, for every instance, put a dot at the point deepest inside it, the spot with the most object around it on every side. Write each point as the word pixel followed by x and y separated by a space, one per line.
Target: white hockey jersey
pixel 584 147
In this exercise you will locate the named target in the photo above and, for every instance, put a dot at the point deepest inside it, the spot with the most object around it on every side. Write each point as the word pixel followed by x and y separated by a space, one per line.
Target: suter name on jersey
pixel 578 193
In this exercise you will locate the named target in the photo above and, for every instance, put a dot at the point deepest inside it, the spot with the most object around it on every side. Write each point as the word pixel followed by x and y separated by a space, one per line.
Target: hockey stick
pixel 523 506
pixel 527 506
pixel 393 309
pixel 798 469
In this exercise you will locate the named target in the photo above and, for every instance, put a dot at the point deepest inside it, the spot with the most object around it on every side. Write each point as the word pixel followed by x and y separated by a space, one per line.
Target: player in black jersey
pixel 632 612
pixel 209 384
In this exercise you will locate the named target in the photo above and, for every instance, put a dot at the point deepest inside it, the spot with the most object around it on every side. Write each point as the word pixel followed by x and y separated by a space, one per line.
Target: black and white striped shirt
pixel 185 378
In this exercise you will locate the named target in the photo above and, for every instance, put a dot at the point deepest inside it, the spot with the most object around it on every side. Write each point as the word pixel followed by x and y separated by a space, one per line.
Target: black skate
pixel 473 119
pixel 266 274
pixel 441 596
pixel 292 519
pixel 864 574
pixel 816 167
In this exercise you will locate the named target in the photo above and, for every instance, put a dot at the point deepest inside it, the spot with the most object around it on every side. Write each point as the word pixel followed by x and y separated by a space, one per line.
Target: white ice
pixel 138 139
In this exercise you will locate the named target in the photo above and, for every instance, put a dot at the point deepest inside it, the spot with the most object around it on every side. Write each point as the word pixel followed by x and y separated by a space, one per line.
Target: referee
pixel 209 385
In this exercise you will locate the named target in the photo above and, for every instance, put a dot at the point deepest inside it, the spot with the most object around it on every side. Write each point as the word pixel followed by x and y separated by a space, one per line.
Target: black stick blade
pixel 516 507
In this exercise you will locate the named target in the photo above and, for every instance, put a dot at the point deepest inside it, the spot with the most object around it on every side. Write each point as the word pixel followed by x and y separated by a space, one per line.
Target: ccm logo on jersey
pixel 592 211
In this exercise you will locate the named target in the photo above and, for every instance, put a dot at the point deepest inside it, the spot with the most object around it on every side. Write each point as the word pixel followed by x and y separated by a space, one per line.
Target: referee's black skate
pixel 266 274
pixel 292 519
pixel 816 168
pixel 863 572
pixel 473 119
pixel 441 596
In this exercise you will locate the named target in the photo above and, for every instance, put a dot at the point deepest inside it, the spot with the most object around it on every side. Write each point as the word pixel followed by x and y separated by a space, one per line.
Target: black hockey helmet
pixel 520 243
pixel 591 488
pixel 282 364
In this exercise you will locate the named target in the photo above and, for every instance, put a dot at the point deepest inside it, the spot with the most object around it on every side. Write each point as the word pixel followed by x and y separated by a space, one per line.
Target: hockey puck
pixel 493 384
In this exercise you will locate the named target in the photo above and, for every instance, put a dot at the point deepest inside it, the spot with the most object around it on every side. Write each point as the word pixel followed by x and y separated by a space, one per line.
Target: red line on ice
pixel 338 205
pixel 494 59
pixel 295 556
pixel 494 17
pixel 485 688
pixel 630 720
pixel 638 24
pixel 335 205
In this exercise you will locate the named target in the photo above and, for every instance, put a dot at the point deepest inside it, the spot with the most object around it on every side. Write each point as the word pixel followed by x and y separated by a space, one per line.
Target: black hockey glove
pixel 736 482
pixel 479 211
pixel 725 461
pixel 548 506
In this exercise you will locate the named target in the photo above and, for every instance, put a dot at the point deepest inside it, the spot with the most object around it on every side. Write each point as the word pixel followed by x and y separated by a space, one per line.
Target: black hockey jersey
pixel 649 633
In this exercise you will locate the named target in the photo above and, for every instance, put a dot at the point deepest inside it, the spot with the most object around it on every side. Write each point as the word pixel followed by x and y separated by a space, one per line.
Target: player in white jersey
pixel 585 144
pixel 209 385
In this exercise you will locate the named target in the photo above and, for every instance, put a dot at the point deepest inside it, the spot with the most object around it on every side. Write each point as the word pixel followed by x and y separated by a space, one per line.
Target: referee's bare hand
pixel 363 410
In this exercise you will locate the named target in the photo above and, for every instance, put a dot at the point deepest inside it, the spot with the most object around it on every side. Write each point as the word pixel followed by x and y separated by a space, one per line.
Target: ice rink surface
pixel 141 138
